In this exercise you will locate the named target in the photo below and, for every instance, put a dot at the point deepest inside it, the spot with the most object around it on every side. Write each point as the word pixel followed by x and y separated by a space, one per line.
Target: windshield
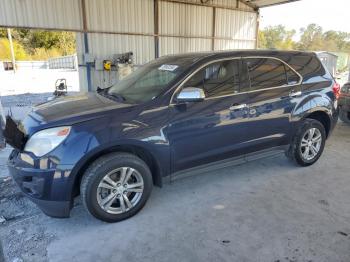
pixel 148 81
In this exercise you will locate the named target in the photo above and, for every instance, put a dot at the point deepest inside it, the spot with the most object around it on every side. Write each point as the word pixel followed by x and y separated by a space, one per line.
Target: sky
pixel 329 14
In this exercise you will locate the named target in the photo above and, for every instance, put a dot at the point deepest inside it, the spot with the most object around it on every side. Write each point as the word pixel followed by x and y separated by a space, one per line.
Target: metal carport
pixel 148 28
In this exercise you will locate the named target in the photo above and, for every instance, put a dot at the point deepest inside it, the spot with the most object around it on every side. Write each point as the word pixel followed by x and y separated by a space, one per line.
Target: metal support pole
pixel 88 65
pixel 213 29
pixel 86 45
pixel 156 28
pixel 11 49
pixel 257 29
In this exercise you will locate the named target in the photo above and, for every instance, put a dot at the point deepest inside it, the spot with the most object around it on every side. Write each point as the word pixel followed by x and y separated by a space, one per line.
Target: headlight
pixel 46 140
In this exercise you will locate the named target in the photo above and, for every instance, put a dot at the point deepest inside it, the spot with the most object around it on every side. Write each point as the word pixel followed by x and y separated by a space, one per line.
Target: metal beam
pixel 156 28
pixel 86 45
pixel 211 5
pixel 13 59
pixel 248 4
pixel 256 4
pixel 257 30
pixel 136 33
pixel 213 29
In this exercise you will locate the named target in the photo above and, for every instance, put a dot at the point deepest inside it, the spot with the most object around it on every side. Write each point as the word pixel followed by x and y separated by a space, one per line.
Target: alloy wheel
pixel 311 143
pixel 120 190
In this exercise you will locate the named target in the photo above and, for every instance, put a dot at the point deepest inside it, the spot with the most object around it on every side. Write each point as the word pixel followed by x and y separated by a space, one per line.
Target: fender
pixel 160 155
pixel 314 102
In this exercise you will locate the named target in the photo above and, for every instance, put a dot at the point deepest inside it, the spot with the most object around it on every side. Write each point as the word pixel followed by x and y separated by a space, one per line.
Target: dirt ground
pixel 266 210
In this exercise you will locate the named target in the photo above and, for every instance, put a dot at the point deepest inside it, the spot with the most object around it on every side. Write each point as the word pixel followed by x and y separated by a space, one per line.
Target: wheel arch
pixel 319 107
pixel 323 117
pixel 142 152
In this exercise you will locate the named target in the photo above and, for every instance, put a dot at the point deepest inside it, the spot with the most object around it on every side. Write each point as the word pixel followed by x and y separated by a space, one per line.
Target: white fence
pixel 64 62
pixel 31 65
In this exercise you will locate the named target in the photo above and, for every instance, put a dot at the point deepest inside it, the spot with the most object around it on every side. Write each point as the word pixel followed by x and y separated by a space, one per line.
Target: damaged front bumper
pixel 38 178
pixel 38 184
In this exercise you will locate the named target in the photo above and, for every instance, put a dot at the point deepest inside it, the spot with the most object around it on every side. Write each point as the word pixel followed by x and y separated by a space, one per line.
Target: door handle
pixel 238 107
pixel 295 94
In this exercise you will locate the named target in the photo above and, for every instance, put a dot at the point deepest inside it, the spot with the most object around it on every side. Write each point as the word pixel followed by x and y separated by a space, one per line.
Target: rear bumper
pixel 37 185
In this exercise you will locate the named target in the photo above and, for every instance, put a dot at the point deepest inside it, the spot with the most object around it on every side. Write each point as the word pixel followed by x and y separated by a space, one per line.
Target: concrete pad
pixel 267 210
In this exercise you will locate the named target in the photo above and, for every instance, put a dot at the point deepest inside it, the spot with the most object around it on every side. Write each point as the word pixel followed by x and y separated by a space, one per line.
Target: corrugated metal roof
pixel 241 4
pixel 132 16
pixel 185 20
pixel 234 44
pixel 103 46
pixel 265 3
pixel 53 14
pixel 176 45
pixel 235 24
pixel 224 3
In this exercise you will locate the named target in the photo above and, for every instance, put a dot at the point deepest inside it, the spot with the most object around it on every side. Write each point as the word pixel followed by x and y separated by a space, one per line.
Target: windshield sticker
pixel 168 67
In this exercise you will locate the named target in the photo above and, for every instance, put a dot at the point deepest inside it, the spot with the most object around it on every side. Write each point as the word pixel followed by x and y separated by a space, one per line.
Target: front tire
pixel 116 187
pixel 308 143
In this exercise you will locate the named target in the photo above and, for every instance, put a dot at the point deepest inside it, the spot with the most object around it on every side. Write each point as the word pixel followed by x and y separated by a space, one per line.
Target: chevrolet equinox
pixel 174 113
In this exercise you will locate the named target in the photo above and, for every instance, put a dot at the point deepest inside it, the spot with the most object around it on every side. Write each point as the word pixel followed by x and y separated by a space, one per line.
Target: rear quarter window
pixel 309 67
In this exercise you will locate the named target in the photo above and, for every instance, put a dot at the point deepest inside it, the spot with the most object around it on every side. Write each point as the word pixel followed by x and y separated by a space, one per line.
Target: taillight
pixel 336 90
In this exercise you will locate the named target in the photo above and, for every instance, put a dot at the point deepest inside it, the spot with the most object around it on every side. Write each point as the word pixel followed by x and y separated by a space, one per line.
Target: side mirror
pixel 191 94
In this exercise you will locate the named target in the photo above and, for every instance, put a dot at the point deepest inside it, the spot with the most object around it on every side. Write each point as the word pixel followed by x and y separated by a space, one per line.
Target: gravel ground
pixel 26 241
pixel 21 240
pixel 266 210
pixel 18 106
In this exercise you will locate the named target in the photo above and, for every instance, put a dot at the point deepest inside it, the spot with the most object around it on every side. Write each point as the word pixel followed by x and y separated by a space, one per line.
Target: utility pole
pixel 11 48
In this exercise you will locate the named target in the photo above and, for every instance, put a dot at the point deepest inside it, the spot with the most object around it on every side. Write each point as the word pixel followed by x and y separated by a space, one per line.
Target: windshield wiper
pixel 115 96
pixel 112 96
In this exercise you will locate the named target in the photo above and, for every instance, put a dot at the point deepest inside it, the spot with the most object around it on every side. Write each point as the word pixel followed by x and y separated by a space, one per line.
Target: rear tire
pixel 344 116
pixel 116 187
pixel 308 143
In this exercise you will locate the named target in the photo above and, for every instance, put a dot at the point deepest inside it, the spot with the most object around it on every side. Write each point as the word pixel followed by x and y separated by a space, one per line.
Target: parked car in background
pixel 344 103
pixel 175 113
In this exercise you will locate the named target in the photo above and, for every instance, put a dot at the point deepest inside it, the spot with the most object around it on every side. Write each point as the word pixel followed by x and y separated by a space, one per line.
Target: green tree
pixel 67 43
pixel 44 39
pixel 336 41
pixel 276 37
pixel 262 40
pixel 31 40
pixel 5 51
pixel 3 33
pixel 311 38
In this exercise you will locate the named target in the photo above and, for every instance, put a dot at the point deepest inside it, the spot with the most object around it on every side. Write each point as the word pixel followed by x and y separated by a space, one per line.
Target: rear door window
pixel 266 73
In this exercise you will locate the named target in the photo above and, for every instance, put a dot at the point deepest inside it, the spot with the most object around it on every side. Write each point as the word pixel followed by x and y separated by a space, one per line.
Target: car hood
pixel 73 108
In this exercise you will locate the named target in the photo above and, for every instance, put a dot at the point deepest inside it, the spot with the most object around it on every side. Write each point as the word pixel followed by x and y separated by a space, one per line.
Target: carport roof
pixel 264 3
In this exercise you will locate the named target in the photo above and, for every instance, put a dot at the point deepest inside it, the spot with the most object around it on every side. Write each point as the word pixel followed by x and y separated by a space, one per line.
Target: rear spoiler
pixel 13 135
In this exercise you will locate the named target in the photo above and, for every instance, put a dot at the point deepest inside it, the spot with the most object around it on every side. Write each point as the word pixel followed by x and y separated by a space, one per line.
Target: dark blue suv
pixel 174 113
